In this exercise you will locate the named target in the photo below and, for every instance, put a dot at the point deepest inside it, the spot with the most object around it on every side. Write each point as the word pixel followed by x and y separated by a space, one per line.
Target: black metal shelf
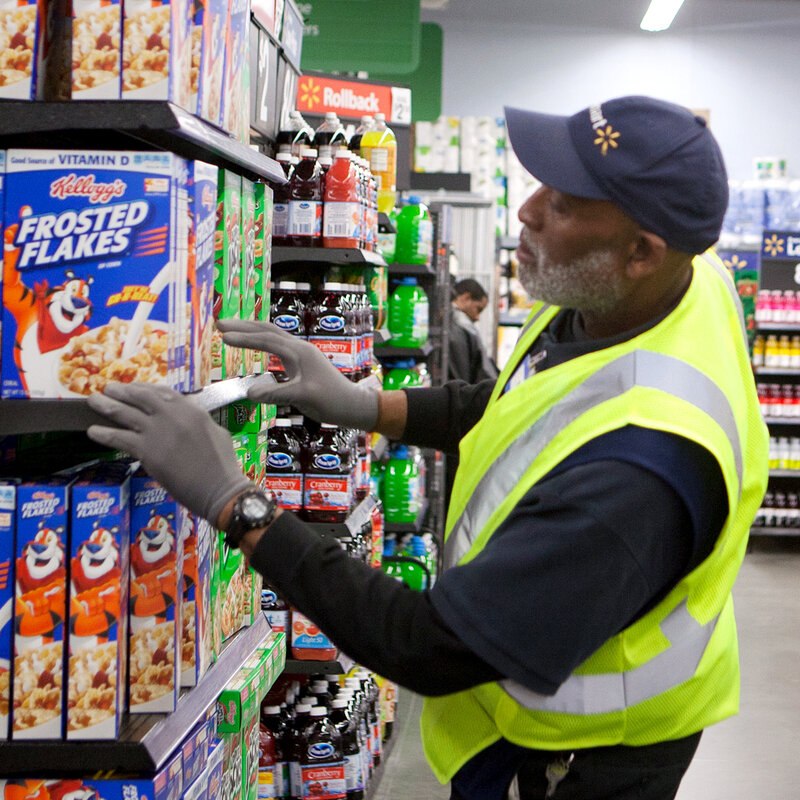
pixel 784 473
pixel 782 420
pixel 778 326
pixel 411 269
pixel 127 124
pixel 771 530
pixel 407 352
pixel 326 255
pixel 342 665
pixel 146 740
pixel 33 416
pixel 409 527
pixel 776 370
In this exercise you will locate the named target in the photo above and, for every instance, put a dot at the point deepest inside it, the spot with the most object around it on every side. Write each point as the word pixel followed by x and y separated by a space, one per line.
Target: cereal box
pixel 199 789
pixel 263 261
pixel 34 50
pixel 90 268
pixel 217 592
pixel 232 583
pixel 96 49
pixel 215 768
pixel 226 362
pixel 98 619
pixel 8 504
pixel 237 54
pixel 157 535
pixel 202 214
pixel 182 290
pixel 196 639
pixel 196 34
pixel 248 273
pixel 40 577
pixel 244 416
pixel 157 51
pixel 212 61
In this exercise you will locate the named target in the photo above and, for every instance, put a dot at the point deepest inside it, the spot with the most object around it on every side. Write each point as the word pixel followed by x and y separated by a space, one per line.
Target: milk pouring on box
pixel 8 504
pixel 91 261
pixel 158 529
pixel 98 602
pixel 96 49
pixel 40 607
pixel 157 51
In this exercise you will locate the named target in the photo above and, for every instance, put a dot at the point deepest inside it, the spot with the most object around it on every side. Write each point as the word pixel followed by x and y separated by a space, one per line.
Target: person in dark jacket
pixel 467 357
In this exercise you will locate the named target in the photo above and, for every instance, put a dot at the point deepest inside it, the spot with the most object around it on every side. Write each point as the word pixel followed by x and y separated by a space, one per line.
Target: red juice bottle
pixel 331 328
pixel 280 208
pixel 342 211
pixel 287 312
pixel 322 759
pixel 284 473
pixel 305 202
pixel 328 492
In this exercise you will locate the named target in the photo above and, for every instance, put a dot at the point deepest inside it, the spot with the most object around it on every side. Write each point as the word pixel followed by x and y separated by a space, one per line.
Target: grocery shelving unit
pixel 146 740
pixel 326 255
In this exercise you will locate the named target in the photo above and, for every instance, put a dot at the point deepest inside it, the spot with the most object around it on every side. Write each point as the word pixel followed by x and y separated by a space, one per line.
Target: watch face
pixel 254 506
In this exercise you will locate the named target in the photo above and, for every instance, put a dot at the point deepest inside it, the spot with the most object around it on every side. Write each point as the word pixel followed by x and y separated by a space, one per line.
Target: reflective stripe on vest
pixel 642 368
pixel 533 319
pixel 616 691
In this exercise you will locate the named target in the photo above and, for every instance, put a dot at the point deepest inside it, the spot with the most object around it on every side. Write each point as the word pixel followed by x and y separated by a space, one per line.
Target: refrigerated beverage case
pixel 414 241
pixel 322 759
pixel 284 472
pixel 379 147
pixel 328 490
pixel 305 202
pixel 331 327
pixel 408 314
pixel 351 751
pixel 287 312
pixel 365 124
pixel 330 135
pixel 280 207
pixel 400 486
pixel 342 210
pixel 297 135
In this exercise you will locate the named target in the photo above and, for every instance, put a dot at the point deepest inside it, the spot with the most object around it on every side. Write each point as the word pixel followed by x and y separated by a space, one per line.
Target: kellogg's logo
pixel 87 186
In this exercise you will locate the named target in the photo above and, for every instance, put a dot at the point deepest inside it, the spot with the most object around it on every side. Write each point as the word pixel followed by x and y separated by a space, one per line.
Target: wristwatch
pixel 253 509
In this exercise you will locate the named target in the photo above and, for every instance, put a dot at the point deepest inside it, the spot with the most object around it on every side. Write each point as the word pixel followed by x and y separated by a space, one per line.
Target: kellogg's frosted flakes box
pixel 157 51
pixel 212 61
pixel 98 607
pixel 8 504
pixel 158 529
pixel 235 109
pixel 96 49
pixel 196 639
pixel 40 577
pixel 34 50
pixel 93 251
pixel 202 213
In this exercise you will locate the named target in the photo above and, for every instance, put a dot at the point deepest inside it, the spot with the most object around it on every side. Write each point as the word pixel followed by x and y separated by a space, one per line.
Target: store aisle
pixel 751 756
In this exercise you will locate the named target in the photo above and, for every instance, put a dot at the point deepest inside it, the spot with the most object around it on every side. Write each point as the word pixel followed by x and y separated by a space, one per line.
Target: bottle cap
pixel 303 708
pixel 325 161
pixel 284 157
pixel 380 117
pixel 330 115
pixel 282 422
pixel 328 426
pixel 308 152
pixel 285 285
pixel 303 287
pixel 319 686
pixel 271 709
pixel 330 286
pixel 342 153
pixel 339 703
pixel 318 711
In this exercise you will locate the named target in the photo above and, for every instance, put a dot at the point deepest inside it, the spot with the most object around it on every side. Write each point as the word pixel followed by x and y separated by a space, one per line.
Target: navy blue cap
pixel 656 161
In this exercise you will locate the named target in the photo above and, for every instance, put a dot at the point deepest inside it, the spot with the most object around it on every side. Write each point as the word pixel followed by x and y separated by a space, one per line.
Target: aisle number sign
pixel 353 99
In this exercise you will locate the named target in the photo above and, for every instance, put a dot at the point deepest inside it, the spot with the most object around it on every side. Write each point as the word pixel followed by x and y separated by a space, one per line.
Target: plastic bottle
pixel 342 211
pixel 414 242
pixel 305 202
pixel 387 237
pixel 367 121
pixel 353 771
pixel 297 135
pixel 269 769
pixel 379 147
pixel 329 488
pixel 331 327
pixel 362 716
pixel 284 473
pixel 413 574
pixel 319 690
pixel 288 312
pixel 296 741
pixel 276 609
pixel 330 135
pixel 280 207
pixel 377 531
pixel 272 719
pixel 322 760
pixel 400 498
pixel 402 374
pixel 408 314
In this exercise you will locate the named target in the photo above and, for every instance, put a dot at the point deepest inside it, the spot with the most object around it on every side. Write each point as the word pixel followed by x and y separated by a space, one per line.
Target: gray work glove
pixel 177 442
pixel 315 386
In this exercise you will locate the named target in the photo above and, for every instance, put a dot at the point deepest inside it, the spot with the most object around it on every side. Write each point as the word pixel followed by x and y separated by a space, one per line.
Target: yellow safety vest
pixel 675 670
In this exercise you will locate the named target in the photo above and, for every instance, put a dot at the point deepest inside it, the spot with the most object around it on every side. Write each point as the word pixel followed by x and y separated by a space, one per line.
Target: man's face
pixel 471 307
pixel 573 250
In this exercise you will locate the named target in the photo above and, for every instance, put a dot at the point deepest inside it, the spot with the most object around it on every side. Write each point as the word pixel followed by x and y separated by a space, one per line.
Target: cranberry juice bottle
pixel 331 328
pixel 342 718
pixel 280 208
pixel 328 489
pixel 289 314
pixel 322 759
pixel 284 474
pixel 305 202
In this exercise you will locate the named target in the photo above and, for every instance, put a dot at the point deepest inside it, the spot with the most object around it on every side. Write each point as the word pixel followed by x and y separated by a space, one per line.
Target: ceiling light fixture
pixel 660 14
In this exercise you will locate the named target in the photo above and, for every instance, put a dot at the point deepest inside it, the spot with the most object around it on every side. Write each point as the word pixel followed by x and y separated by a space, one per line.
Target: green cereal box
pixel 248 265
pixel 232 588
pixel 244 416
pixel 216 593
pixel 226 362
pixel 263 251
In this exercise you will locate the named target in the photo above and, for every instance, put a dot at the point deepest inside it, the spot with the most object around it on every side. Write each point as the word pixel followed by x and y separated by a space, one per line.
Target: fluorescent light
pixel 660 14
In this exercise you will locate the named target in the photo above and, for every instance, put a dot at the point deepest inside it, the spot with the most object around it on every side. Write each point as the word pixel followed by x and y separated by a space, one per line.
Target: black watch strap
pixel 253 509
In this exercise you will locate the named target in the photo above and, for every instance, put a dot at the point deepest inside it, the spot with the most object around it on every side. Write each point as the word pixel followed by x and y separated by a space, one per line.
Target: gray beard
pixel 589 283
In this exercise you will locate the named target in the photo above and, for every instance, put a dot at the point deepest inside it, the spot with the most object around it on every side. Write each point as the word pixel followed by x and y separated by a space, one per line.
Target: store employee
pixel 583 635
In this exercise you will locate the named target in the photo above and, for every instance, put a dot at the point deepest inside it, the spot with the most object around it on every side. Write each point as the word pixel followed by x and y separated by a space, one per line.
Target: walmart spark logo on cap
pixel 606 135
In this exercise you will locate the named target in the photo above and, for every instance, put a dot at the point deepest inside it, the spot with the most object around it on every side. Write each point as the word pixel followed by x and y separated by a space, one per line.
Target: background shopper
pixel 583 635
pixel 467 357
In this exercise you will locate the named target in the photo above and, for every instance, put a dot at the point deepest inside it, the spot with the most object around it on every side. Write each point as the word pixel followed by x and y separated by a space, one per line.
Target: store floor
pixel 750 756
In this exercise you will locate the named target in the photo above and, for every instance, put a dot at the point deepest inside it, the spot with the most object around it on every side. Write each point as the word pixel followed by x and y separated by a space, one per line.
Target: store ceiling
pixel 617 15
